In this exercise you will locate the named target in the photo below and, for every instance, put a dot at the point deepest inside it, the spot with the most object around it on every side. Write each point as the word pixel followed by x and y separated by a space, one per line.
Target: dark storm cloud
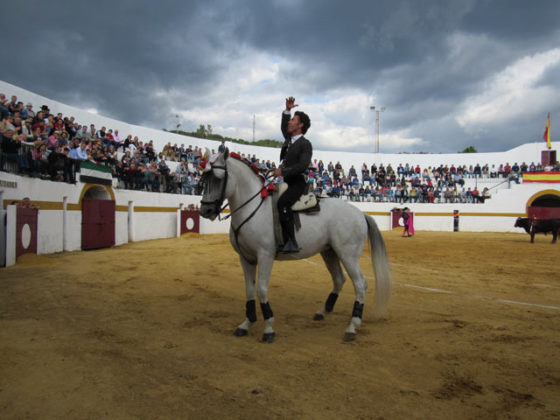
pixel 142 61
pixel 113 54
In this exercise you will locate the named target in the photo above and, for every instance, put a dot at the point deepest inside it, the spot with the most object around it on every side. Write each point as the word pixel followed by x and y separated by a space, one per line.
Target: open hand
pixel 276 172
pixel 290 103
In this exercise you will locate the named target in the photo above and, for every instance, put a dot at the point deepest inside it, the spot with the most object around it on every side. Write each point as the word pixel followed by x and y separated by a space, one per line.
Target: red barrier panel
pixel 190 221
pixel 26 230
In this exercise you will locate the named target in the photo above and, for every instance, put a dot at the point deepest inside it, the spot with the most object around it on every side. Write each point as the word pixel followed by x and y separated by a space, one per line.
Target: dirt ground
pixel 145 331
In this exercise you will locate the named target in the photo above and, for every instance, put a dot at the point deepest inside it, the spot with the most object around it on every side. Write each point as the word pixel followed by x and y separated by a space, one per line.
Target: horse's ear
pixel 226 153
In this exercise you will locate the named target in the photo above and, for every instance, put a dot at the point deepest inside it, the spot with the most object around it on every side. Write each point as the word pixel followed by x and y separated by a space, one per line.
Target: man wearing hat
pixel 28 110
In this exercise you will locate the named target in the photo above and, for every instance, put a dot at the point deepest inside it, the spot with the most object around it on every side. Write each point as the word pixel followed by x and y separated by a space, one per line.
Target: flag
pixel 95 174
pixel 546 135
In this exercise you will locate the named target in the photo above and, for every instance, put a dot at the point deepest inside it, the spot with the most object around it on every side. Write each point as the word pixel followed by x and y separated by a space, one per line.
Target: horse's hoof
pixel 240 332
pixel 268 337
pixel 318 317
pixel 348 337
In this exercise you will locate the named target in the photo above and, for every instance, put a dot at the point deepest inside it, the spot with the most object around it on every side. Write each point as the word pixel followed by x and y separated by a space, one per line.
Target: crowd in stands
pixel 41 144
pixel 38 143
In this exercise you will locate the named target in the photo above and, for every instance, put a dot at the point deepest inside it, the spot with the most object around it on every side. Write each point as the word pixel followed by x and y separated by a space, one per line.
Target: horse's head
pixel 214 181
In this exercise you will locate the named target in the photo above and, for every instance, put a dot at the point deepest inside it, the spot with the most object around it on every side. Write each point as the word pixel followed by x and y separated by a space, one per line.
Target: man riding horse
pixel 295 158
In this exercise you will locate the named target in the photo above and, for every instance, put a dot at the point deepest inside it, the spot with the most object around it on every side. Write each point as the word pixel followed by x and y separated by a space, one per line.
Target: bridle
pixel 218 203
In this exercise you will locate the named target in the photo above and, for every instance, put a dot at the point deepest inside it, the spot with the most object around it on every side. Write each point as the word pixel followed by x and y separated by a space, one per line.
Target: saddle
pixel 307 203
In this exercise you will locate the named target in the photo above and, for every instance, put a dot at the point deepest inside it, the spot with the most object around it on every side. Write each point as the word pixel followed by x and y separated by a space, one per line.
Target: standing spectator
pixel 4 111
pixel 77 156
pixel 13 106
pixel 57 162
pixel 39 161
pixel 10 149
pixel 53 141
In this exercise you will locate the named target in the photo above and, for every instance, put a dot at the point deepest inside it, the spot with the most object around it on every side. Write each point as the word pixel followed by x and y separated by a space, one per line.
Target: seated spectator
pixel 476 197
pixel 109 138
pixel 413 195
pixel 100 134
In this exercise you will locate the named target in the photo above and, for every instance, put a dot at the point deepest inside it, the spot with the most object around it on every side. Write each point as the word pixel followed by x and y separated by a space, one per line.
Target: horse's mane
pixel 259 172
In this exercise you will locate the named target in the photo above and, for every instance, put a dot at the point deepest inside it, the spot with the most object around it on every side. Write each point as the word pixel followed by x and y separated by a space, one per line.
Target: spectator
pixel 13 106
pixel 77 156
pixel 10 150
pixel 39 161
pixel 4 111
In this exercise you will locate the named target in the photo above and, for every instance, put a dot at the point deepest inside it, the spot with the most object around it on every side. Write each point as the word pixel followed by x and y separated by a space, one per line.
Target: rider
pixel 295 158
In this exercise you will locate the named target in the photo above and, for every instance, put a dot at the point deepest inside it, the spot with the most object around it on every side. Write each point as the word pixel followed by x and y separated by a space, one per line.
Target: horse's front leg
pixel 265 268
pixel 249 270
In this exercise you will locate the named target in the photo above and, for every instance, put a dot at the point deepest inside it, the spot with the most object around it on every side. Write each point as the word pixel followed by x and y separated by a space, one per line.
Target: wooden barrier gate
pixel 98 224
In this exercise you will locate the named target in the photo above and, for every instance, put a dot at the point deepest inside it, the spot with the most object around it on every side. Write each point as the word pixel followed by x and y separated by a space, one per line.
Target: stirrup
pixel 289 247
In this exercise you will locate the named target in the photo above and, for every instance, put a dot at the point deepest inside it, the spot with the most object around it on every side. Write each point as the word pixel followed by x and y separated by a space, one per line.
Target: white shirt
pixel 293 140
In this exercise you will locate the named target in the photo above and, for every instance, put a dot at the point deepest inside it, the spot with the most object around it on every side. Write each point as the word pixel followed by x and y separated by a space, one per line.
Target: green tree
pixel 470 149
pixel 205 132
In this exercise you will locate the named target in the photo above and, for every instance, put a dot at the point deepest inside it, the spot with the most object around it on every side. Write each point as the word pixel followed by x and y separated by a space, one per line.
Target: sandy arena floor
pixel 145 331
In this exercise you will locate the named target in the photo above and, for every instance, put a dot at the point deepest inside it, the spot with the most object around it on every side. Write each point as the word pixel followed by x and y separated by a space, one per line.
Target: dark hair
pixel 303 118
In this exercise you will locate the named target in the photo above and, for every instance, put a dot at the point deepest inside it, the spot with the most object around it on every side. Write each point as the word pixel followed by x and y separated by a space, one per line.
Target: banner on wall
pixel 546 177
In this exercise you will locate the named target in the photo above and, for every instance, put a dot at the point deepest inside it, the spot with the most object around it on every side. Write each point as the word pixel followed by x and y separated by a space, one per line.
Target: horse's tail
pixel 381 267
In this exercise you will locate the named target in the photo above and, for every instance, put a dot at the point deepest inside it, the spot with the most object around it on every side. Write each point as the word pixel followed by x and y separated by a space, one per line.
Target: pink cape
pixel 410 225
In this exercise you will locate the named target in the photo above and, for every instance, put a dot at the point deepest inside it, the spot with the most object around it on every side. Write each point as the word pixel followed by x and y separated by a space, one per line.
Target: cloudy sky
pixel 450 74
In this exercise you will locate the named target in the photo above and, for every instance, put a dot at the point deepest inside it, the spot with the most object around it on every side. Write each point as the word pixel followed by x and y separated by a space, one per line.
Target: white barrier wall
pixel 144 215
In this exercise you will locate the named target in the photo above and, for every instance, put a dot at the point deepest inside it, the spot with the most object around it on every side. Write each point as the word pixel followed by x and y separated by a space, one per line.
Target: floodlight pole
pixel 378 111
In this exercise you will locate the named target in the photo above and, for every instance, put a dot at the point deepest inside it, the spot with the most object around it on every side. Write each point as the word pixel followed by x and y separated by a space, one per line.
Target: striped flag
pixel 546 135
pixel 91 173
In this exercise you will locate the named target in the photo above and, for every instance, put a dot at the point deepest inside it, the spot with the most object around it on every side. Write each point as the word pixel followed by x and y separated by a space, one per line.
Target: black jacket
pixel 296 158
pixel 10 145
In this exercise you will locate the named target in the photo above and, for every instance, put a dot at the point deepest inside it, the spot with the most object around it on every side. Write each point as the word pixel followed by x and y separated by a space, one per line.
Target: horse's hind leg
pixel 249 270
pixel 333 265
pixel 352 265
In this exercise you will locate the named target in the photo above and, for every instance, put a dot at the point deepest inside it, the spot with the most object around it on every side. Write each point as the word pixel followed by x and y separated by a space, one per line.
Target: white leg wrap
pixel 268 325
pixel 245 324
pixel 354 324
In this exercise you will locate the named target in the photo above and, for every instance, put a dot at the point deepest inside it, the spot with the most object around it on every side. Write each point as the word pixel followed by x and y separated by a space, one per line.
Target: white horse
pixel 338 231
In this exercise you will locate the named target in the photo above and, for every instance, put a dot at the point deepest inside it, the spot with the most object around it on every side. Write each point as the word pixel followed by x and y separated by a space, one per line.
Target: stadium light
pixel 378 111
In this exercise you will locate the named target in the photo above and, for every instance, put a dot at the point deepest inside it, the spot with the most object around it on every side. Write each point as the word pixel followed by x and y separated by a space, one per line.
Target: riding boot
pixel 290 244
